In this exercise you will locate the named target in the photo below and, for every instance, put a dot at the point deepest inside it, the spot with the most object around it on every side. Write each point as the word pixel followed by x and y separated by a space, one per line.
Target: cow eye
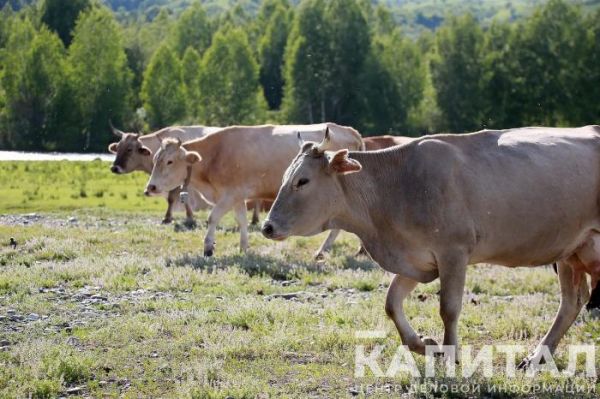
pixel 129 150
pixel 169 162
pixel 302 182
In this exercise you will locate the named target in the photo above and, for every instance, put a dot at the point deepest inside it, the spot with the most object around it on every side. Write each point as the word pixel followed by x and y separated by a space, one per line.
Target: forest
pixel 68 67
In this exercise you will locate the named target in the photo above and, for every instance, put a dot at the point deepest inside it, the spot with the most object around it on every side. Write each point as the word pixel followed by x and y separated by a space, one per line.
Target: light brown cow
pixel 427 209
pixel 134 152
pixel 381 142
pixel 237 164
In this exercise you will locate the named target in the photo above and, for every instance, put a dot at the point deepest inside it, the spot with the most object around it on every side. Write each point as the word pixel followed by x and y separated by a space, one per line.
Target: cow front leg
pixel 573 297
pixel 327 244
pixel 171 198
pixel 453 270
pixel 399 289
pixel 189 213
pixel 241 217
pixel 214 217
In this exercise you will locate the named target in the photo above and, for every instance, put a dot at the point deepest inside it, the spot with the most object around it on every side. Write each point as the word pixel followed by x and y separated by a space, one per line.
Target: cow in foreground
pixel 238 164
pixel 427 209
pixel 134 152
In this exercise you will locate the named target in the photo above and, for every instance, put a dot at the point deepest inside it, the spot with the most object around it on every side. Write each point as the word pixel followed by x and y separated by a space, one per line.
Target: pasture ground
pixel 100 300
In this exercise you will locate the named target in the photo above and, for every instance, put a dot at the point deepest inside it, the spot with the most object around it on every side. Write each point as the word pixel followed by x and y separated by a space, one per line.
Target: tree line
pixel 68 67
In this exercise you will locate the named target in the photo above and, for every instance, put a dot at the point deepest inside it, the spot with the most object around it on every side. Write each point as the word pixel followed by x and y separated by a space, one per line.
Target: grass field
pixel 100 300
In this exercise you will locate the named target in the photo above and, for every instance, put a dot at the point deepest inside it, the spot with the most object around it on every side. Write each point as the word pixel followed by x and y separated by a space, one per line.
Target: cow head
pixel 131 153
pixel 310 194
pixel 171 163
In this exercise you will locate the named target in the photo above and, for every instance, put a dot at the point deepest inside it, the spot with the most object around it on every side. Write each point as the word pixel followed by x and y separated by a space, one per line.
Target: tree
pixel 192 29
pixel 191 80
pixel 163 92
pixel 306 64
pixel 229 82
pixel 551 51
pixel 393 81
pixel 325 54
pixel 458 74
pixel 100 77
pixel 349 46
pixel 36 87
pixel 61 15
pixel 270 54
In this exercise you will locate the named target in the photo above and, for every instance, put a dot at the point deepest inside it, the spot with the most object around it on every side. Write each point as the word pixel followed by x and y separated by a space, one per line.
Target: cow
pixel 231 166
pixel 134 152
pixel 426 209
pixel 375 143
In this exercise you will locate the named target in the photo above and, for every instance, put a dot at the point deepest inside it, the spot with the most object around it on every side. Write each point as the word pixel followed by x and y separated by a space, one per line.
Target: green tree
pixel 229 81
pixel 306 64
pixel 61 15
pixel 192 29
pixel 36 86
pixel 100 77
pixel 191 79
pixel 551 52
pixel 393 81
pixel 270 54
pixel 458 74
pixel 163 92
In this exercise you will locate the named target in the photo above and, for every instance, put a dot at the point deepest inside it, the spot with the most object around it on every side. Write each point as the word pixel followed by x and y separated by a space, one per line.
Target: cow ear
pixel 192 157
pixel 113 148
pixel 145 151
pixel 340 163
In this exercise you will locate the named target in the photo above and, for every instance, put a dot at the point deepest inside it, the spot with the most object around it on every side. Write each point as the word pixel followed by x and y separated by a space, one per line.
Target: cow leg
pixel 327 244
pixel 453 271
pixel 573 297
pixel 189 213
pixel 171 198
pixel 215 215
pixel 256 212
pixel 399 289
pixel 242 220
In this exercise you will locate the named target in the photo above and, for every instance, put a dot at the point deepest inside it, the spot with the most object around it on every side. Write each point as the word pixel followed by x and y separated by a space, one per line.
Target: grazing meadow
pixel 98 299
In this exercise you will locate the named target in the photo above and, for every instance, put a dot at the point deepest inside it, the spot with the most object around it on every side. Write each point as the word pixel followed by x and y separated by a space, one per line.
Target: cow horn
pixel 178 142
pixel 324 145
pixel 300 140
pixel 115 131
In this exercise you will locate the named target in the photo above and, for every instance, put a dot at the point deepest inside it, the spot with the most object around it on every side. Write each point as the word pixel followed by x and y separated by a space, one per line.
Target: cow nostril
pixel 114 169
pixel 267 230
pixel 152 188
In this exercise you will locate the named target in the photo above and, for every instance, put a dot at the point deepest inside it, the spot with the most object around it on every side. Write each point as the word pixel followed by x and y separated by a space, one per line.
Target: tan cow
pixel 427 209
pixel 134 152
pixel 375 143
pixel 237 164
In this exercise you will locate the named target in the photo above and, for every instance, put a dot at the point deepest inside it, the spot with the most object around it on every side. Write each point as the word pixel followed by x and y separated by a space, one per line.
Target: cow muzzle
pixel 116 169
pixel 270 231
pixel 151 190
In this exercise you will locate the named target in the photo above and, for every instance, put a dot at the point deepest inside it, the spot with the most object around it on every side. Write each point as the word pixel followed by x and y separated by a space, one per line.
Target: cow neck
pixel 153 143
pixel 361 191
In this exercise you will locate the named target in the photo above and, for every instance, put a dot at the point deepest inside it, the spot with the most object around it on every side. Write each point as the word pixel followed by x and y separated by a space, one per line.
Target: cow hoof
pixel 524 365
pixel 167 221
pixel 208 253
pixel 319 256
pixel 189 223
pixel 254 222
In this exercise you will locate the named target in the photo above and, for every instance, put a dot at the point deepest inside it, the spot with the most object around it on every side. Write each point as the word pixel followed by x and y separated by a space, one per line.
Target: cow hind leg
pixel 256 212
pixel 214 217
pixel 327 244
pixel 573 297
pixel 241 217
pixel 399 289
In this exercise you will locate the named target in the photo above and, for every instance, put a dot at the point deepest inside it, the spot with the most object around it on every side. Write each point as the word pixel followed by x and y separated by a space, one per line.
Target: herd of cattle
pixel 423 208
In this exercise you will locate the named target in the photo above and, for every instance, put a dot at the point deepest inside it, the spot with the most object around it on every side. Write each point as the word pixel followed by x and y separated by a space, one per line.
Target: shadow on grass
pixel 253 264
pixel 359 263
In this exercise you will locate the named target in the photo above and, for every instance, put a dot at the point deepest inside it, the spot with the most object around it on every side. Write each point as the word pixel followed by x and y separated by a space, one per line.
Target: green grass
pixel 170 323
pixel 61 186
